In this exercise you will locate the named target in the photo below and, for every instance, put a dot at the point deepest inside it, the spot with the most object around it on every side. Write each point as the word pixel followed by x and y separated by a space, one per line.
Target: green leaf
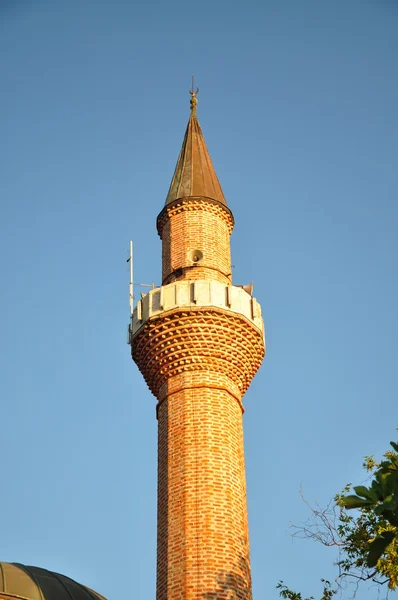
pixel 363 491
pixel 384 479
pixel 392 519
pixel 378 546
pixel 355 502
pixel 394 445
pixel 389 505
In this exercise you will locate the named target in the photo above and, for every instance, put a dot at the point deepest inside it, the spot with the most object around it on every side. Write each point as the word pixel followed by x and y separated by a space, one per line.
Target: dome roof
pixel 33 583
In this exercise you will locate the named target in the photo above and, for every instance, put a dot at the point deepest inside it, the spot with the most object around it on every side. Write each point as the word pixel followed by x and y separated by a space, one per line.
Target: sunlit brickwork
pixel 198 346
pixel 190 225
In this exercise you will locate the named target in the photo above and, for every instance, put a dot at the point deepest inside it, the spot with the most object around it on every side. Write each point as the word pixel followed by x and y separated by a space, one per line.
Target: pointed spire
pixel 194 174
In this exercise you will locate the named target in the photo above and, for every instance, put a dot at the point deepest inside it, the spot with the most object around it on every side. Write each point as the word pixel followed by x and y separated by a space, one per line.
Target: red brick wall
pixel 196 225
pixel 203 549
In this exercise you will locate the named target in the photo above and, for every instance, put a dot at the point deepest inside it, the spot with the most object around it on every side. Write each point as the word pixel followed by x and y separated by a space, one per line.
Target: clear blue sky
pixel 298 103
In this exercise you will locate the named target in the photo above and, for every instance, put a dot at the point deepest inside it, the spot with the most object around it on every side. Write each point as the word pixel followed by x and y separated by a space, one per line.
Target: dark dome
pixel 33 583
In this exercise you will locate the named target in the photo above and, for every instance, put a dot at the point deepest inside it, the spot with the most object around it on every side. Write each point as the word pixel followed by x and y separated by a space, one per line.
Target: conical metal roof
pixel 33 583
pixel 194 174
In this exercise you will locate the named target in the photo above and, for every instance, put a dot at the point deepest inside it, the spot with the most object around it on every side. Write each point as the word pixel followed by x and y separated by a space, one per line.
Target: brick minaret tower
pixel 198 340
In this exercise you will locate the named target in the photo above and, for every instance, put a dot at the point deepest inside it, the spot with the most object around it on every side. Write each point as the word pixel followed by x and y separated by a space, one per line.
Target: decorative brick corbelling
pixel 203 340
pixel 194 203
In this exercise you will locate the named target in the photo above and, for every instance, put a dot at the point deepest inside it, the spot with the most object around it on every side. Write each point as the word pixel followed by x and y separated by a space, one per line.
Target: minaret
pixel 198 340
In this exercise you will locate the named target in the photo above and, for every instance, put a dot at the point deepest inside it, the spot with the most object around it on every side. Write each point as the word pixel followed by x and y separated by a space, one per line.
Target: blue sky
pixel 298 104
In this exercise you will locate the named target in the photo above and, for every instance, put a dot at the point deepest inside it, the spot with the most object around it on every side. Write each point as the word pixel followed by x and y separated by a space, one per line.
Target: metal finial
pixel 194 99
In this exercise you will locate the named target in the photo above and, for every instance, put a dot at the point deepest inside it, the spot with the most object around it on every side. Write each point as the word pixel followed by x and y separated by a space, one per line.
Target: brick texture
pixel 195 225
pixel 199 362
pixel 202 340
pixel 203 549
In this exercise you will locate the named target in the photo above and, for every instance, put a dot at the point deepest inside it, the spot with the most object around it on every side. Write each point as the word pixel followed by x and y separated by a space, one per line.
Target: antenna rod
pixel 131 279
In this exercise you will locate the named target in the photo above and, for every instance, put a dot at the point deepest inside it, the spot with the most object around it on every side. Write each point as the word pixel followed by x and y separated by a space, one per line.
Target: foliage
pixel 367 537
pixel 285 592
pixel 381 499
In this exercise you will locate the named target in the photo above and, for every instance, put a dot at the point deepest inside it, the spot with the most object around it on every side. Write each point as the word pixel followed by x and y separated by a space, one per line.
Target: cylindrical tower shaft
pixel 195 236
pixel 203 549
